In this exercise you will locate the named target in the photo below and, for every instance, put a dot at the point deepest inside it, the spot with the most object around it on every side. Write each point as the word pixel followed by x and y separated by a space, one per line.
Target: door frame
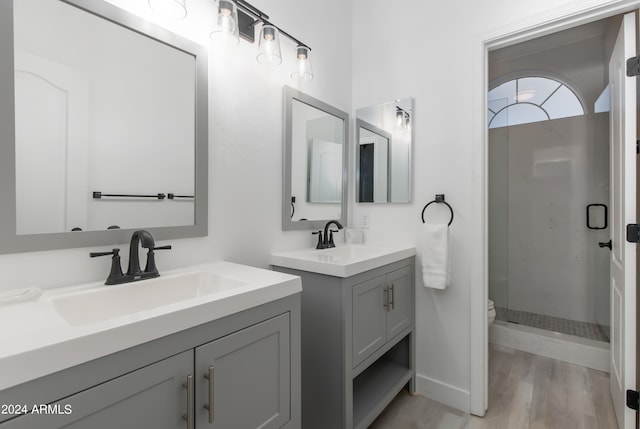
pixel 555 20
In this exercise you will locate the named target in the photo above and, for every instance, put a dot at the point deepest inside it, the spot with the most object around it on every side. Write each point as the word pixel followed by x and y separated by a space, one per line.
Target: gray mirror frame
pixel 367 126
pixel 291 94
pixel 10 242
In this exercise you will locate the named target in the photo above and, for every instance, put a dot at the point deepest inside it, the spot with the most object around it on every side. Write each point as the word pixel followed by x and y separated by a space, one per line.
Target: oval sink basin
pixel 343 261
pixel 79 307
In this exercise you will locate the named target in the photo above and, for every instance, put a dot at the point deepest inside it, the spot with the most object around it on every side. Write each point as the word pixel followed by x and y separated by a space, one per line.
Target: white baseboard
pixel 567 348
pixel 444 393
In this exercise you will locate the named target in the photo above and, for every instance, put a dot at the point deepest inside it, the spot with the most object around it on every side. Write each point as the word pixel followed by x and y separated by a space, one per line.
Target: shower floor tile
pixel 591 331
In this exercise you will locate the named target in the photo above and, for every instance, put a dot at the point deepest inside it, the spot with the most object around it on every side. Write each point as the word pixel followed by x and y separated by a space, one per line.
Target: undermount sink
pixel 79 307
pixel 342 261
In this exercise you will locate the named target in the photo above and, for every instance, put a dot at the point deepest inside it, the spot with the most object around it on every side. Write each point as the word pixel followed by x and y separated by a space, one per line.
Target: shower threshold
pixel 591 331
pixel 553 344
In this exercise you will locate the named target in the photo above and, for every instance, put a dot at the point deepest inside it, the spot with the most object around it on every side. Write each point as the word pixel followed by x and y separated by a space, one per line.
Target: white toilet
pixel 491 312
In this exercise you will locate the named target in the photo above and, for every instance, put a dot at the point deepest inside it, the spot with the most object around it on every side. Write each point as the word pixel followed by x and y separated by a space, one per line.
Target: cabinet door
pixel 248 382
pixel 151 397
pixel 369 318
pixel 401 303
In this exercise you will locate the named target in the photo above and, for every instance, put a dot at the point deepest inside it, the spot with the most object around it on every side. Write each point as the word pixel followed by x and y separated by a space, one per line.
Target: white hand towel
pixel 434 246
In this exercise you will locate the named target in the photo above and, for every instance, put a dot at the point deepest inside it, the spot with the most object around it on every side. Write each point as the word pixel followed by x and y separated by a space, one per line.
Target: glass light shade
pixel 399 117
pixel 176 9
pixel 226 30
pixel 303 69
pixel 269 46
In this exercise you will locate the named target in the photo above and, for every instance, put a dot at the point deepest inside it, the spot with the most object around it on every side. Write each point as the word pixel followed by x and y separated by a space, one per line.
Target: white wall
pixel 245 147
pixel 432 51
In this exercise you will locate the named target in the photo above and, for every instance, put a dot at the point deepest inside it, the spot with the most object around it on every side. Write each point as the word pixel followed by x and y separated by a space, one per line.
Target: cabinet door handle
pixel 189 417
pixel 385 291
pixel 392 302
pixel 209 376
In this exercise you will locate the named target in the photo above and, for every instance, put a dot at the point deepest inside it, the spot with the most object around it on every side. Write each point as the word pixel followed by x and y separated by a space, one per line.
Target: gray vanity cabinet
pixel 244 378
pixel 357 343
pixel 251 361
pixel 151 397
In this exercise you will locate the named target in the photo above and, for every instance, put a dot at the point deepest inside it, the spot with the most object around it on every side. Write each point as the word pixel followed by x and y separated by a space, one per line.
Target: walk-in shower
pixel 546 268
pixel 548 189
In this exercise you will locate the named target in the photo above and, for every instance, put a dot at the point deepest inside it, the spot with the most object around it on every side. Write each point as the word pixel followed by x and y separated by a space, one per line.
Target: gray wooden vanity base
pixel 358 344
pixel 252 357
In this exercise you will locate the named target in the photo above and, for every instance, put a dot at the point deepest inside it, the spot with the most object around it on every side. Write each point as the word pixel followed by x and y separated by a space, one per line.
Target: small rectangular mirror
pixel 315 162
pixel 384 139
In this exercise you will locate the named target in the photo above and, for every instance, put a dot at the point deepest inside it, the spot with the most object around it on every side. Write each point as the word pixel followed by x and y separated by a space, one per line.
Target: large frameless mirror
pixel 104 127
pixel 315 162
pixel 383 152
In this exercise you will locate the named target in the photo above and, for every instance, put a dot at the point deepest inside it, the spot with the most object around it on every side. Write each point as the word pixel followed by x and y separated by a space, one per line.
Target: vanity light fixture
pixel 269 40
pixel 226 30
pixel 237 18
pixel 176 9
pixel 303 71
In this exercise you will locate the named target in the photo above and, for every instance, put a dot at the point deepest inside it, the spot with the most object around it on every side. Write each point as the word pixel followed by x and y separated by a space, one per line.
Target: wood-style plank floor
pixel 525 392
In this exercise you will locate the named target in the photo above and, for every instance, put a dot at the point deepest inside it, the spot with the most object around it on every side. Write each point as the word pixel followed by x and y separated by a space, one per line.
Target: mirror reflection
pixel 383 152
pixel 315 161
pixel 115 111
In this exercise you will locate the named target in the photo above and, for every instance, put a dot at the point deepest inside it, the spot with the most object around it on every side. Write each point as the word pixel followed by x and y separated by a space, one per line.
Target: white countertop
pixel 342 261
pixel 67 326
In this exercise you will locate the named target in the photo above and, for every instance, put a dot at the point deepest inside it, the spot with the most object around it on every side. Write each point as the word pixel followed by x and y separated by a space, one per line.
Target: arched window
pixel 527 97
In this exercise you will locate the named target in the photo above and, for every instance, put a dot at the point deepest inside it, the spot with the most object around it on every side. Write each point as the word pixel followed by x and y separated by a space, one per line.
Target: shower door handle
pixel 607 244
pixel 606 216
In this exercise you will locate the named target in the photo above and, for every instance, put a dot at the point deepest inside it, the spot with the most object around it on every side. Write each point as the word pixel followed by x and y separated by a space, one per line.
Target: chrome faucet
pixel 133 272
